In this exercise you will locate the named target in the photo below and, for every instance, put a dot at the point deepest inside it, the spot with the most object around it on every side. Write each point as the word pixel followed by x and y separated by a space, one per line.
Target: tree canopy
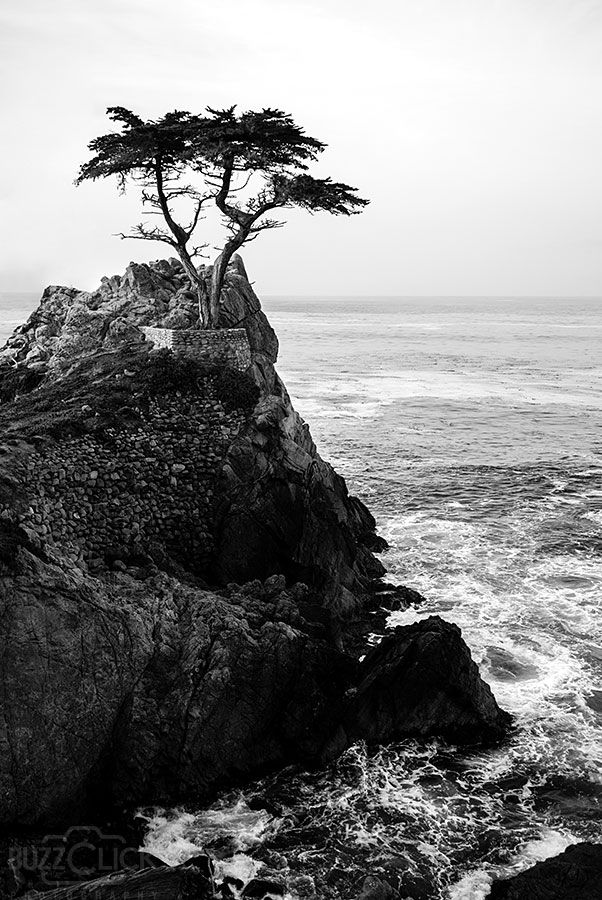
pixel 247 164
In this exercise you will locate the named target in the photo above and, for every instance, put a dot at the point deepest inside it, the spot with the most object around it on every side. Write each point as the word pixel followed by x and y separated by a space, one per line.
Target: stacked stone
pixel 223 346
pixel 136 489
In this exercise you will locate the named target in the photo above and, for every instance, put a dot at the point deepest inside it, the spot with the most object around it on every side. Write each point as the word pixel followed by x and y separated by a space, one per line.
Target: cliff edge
pixel 178 565
pixel 211 470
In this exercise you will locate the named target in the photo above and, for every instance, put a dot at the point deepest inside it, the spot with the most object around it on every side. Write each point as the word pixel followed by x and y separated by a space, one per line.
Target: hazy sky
pixel 474 126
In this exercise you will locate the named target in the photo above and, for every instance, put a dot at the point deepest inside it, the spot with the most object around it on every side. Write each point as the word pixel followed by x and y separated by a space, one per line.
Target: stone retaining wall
pixel 221 346
pixel 144 489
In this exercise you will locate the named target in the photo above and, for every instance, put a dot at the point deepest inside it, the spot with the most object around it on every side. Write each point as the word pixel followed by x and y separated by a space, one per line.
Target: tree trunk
pixel 217 282
pixel 197 283
pixel 205 317
pixel 220 267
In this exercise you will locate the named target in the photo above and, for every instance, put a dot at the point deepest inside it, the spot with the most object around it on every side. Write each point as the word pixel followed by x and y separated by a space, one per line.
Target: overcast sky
pixel 474 126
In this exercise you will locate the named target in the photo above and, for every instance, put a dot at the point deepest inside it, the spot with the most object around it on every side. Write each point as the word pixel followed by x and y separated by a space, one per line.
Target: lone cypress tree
pixel 247 164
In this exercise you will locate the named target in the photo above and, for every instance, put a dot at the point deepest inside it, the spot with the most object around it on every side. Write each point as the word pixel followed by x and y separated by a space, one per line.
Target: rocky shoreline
pixel 186 587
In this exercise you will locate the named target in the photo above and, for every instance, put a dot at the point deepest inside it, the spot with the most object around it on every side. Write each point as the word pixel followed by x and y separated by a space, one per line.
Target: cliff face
pixel 216 477
pixel 138 491
pixel 120 689
pixel 130 481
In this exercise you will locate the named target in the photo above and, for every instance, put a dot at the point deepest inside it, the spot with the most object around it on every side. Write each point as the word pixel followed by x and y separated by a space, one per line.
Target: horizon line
pixel 341 296
pixel 437 296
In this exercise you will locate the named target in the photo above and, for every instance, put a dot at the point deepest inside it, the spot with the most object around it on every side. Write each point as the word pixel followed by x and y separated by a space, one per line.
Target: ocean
pixel 15 308
pixel 472 429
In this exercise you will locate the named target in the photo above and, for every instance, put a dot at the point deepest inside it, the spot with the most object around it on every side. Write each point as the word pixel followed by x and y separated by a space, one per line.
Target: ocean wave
pixel 476 885
pixel 327 394
pixel 539 611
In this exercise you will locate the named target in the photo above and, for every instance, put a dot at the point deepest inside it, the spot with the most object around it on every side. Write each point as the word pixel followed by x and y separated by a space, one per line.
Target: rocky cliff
pixel 121 459
pixel 177 566
pixel 118 689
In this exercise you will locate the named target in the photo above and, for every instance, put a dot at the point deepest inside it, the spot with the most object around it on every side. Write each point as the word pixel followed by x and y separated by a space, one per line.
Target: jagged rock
pixel 120 691
pixel 241 308
pixel 283 509
pixel 279 508
pixel 259 888
pixel 127 684
pixel 575 874
pixel 128 690
pixel 42 862
pixel 395 597
pixel 184 882
pixel 421 681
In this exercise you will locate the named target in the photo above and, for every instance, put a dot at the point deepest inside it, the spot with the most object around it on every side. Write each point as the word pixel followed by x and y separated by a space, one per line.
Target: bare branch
pixel 198 251
pixel 242 186
pixel 140 233
pixel 267 225
pixel 202 199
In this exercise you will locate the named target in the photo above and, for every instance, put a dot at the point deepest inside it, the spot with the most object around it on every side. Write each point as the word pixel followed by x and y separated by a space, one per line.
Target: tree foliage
pixel 247 164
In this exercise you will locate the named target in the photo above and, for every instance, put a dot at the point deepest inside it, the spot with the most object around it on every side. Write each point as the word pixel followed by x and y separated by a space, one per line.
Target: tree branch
pixel 141 233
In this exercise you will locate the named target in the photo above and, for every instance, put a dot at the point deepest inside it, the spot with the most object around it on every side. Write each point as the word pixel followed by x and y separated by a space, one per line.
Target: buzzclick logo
pixel 82 852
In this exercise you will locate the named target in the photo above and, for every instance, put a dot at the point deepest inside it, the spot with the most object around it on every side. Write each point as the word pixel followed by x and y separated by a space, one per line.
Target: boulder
pixel 575 874
pixel 260 888
pixel 421 681
pixel 184 882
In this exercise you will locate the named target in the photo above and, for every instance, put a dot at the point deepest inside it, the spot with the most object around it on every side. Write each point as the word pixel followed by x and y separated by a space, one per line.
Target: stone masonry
pixel 139 490
pixel 223 346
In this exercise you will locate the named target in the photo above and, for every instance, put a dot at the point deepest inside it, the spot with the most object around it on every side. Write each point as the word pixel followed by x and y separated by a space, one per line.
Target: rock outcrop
pixel 420 681
pixel 138 492
pixel 575 874
pixel 185 882
pixel 277 507
pixel 121 689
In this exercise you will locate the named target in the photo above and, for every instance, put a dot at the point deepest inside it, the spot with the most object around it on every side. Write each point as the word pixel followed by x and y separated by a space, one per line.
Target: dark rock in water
pixel 421 681
pixel 231 887
pixel 203 863
pixel 223 846
pixel 575 874
pixel 594 701
pixel 302 886
pixel 569 797
pixel 260 888
pixel 395 597
pixel 165 883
